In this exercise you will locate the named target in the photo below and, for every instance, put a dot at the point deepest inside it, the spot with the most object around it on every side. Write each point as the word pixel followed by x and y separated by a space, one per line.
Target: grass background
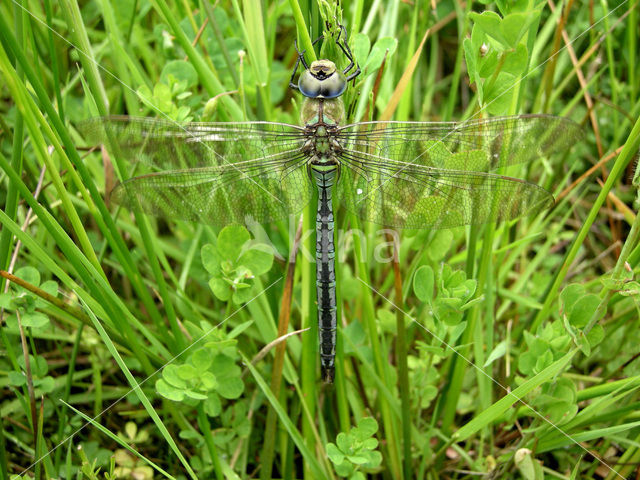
pixel 544 309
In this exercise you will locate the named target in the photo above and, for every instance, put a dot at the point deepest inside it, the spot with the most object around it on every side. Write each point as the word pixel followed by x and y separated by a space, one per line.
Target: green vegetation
pixel 508 350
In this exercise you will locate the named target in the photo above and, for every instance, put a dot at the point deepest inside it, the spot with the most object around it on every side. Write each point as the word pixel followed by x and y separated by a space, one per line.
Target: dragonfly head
pixel 322 80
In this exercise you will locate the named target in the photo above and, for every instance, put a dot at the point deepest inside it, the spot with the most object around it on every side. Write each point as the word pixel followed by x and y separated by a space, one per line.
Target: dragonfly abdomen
pixel 324 177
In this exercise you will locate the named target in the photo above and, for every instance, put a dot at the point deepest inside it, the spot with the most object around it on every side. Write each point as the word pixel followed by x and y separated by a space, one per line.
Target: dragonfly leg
pixel 300 58
pixel 295 69
pixel 344 46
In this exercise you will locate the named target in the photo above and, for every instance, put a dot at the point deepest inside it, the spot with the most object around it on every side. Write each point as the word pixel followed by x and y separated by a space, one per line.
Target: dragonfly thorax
pixel 321 142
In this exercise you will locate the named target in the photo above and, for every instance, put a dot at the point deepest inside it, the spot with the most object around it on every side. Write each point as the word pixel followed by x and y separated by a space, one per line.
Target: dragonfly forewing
pixel 436 174
pixel 211 173
pixel 477 145
pixel 168 145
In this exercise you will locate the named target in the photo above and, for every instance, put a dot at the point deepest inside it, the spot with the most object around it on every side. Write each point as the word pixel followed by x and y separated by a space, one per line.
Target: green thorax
pixel 322 110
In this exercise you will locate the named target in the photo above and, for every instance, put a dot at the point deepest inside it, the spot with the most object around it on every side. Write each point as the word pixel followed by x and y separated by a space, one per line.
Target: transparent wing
pixel 404 195
pixel 475 145
pixel 216 173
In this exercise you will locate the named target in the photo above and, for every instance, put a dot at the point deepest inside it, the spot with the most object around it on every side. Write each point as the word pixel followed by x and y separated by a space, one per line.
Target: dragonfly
pixel 413 175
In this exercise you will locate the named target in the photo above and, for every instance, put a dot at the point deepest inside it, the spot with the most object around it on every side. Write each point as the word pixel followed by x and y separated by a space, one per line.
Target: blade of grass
pixel 498 408
pixel 403 370
pixel 276 379
pixel 579 437
pixel 117 440
pixel 136 388
pixel 303 33
pixel 310 460
pixel 626 156
pixel 404 81
pixel 101 216
pixel 207 77
pixel 381 365
pixel 113 307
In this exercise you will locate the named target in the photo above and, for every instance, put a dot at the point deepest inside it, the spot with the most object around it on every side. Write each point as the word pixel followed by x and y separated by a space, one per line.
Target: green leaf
pixel 212 405
pixel 187 372
pixel 526 363
pixel 463 291
pixel 370 443
pixel 386 320
pixel 378 52
pixel 368 426
pixel 5 301
pixel 454 334
pixel 376 459
pixel 210 259
pixel 343 442
pixel 242 295
pixel 470 55
pixel 46 384
pixel 498 352
pixel 227 373
pixel 423 283
pixel 582 343
pixel 583 309
pixel 220 288
pixel 237 331
pixel 354 331
pixel 514 26
pixel 529 467
pixel 488 62
pixel 168 391
pixel 209 381
pixel 334 453
pixel 470 286
pixel 558 403
pixel 498 95
pixel 17 379
pixel 201 359
pixel 489 23
pixel 29 275
pixel 182 71
pixel 39 366
pixel 171 375
pixel 440 244
pixel 515 61
pixel 570 295
pixel 51 287
pixel 231 387
pixel 183 114
pixel 257 260
pixel 447 310
pixel 455 278
pixel 595 335
pixel 194 395
pixel 34 320
pixel 359 458
pixel 231 240
pixel 360 46
pixel 543 361
pixel 346 469
pixel 349 286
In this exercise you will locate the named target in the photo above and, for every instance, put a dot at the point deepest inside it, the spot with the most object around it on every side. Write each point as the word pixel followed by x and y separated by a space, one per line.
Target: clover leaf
pixel 234 263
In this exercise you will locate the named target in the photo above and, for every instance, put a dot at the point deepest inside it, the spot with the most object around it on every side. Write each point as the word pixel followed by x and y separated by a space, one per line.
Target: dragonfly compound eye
pixel 322 80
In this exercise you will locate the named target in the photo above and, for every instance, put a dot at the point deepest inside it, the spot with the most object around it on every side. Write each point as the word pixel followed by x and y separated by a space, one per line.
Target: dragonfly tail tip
pixel 328 374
